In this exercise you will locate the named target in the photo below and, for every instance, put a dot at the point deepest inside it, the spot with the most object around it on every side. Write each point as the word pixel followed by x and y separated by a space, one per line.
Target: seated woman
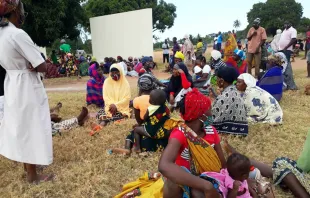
pixel 229 114
pixel 216 61
pixel 193 148
pixel 94 86
pixel 284 172
pixel 202 77
pixel 52 70
pixel 140 104
pixel 83 67
pixel 180 81
pixel 259 104
pixel 117 95
pixel 238 62
pixel 272 80
pixel 148 65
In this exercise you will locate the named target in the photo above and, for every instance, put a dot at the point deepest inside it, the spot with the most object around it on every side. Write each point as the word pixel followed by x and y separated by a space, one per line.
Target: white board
pixel 124 34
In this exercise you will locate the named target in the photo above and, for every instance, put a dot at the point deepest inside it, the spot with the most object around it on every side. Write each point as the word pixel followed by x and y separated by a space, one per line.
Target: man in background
pixel 219 41
pixel 176 48
pixel 307 47
pixel 64 47
pixel 165 48
pixel 287 40
pixel 256 38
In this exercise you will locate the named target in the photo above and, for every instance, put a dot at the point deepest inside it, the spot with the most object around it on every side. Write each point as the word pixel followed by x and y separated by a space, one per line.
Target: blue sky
pixel 209 16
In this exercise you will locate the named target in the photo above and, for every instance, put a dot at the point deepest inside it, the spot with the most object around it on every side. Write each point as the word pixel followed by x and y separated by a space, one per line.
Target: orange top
pixel 142 103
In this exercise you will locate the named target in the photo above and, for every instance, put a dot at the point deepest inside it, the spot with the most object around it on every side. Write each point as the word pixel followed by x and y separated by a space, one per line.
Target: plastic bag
pixel 304 159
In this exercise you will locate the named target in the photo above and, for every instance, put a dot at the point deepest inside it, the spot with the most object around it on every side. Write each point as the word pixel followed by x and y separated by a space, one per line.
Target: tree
pixel 303 25
pixel 237 24
pixel 163 13
pixel 49 20
pixel 274 13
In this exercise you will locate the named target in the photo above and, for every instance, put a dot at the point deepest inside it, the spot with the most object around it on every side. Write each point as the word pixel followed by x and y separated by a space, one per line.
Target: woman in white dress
pixel 25 132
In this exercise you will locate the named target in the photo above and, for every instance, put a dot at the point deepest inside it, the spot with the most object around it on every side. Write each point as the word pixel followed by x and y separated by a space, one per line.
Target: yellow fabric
pixel 149 188
pixel 152 109
pixel 199 45
pixel 179 55
pixel 230 46
pixel 117 92
pixel 93 59
pixel 172 123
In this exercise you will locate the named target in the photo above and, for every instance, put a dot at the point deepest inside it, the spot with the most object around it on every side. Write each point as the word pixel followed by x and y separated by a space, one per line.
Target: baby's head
pixel 157 97
pixel 238 167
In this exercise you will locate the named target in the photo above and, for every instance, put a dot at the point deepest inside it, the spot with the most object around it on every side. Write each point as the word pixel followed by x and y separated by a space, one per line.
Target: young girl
pixel 154 120
pixel 233 180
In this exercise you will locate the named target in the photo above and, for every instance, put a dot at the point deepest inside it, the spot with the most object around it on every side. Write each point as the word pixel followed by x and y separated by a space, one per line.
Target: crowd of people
pixel 210 104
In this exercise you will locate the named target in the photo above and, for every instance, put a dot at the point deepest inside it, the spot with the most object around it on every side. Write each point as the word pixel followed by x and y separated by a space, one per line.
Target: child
pixel 199 47
pixel 154 120
pixel 233 180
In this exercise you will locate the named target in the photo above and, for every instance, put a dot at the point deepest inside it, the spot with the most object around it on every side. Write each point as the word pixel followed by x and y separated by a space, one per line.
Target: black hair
pixel 228 74
pixel 202 58
pixel 53 51
pixel 181 105
pixel 200 40
pixel 120 59
pixel 114 70
pixel 238 163
pixel 158 97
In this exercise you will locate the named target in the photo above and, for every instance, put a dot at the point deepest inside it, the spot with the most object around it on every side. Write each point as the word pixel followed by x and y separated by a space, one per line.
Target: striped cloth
pixel 94 87
pixel 272 82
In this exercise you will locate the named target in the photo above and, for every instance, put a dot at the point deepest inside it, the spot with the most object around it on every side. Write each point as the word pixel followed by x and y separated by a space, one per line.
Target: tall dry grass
pixel 85 169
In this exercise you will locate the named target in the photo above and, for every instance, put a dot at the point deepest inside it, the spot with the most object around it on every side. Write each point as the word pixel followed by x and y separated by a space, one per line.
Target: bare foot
pixel 83 116
pixel 136 150
pixel 121 151
pixel 44 178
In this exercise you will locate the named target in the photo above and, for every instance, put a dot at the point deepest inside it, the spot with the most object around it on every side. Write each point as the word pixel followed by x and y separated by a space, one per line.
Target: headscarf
pixel 179 55
pixel 276 59
pixel 248 79
pixel 146 59
pixel 283 60
pixel 197 69
pixel 146 83
pixel 6 7
pixel 117 92
pixel 62 41
pixel 93 73
pixel 230 46
pixel 279 31
pixel 257 20
pixel 229 74
pixel 239 53
pixel 195 104
pixel 93 59
pixel 216 55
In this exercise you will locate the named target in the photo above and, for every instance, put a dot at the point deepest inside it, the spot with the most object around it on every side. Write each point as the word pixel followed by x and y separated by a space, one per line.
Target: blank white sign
pixel 124 34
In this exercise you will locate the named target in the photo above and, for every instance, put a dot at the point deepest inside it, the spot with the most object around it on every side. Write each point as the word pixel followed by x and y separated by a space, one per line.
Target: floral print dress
pixel 262 107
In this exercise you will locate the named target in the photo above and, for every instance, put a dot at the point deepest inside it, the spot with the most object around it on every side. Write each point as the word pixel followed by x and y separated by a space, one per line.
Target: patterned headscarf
pixel 6 7
pixel 196 104
pixel 146 82
pixel 276 59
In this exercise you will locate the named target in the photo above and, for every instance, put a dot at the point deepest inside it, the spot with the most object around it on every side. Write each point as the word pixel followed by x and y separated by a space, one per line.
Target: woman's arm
pixel 176 174
pixel 220 154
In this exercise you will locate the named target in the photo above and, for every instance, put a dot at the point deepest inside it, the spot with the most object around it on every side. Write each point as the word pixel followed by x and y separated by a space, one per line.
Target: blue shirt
pixel 219 39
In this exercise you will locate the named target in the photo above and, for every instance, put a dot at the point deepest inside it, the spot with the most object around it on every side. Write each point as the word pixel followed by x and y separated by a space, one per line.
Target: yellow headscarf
pixel 179 55
pixel 117 92
pixel 230 46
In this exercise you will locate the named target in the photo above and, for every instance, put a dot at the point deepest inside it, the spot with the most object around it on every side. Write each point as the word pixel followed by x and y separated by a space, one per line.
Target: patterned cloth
pixel 52 70
pixel 229 114
pixel 6 6
pixel 65 125
pixel 83 68
pixel 261 106
pixel 283 166
pixel 94 87
pixel 103 117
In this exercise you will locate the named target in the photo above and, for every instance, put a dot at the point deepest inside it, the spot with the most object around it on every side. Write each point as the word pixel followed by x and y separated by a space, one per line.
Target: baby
pixel 156 116
pixel 233 180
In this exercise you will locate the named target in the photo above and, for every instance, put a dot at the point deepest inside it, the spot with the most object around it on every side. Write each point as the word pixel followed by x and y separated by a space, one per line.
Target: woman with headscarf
pixel 83 66
pixel 116 96
pixel 230 46
pixel 25 132
pixel 94 86
pixel 272 80
pixel 275 41
pixel 216 61
pixel 237 61
pixel 202 75
pixel 193 148
pixel 259 104
pixel 180 81
pixel 229 115
pixel 188 51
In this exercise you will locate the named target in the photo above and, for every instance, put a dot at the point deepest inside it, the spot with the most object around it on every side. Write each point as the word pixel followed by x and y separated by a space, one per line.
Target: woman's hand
pixel 171 99
pixel 180 71
pixel 113 109
pixel 31 68
pixel 210 191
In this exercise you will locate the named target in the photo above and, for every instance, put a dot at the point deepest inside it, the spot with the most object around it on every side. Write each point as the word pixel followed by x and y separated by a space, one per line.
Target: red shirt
pixel 308 37
pixel 242 68
pixel 211 137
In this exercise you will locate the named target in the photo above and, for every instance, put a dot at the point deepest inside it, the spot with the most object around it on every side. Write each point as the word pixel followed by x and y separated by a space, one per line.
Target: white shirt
pixel 166 48
pixel 286 37
pixel 124 66
pixel 207 70
pixel 25 131
pixel 215 40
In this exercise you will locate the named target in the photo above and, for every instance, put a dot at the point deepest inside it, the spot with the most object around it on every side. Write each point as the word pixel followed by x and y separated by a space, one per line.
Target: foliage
pixel 274 13
pixel 49 20
pixel 163 13
pixel 303 25
pixel 76 44
pixel 237 24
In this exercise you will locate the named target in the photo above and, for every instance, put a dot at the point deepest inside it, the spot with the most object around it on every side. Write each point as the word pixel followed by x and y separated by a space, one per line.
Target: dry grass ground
pixel 85 169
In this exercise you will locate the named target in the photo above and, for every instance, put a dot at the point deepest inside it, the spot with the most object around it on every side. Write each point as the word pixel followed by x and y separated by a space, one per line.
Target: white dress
pixel 25 132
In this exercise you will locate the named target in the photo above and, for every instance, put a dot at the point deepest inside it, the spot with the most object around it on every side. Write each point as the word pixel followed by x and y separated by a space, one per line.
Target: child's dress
pixel 154 126
pixel 226 183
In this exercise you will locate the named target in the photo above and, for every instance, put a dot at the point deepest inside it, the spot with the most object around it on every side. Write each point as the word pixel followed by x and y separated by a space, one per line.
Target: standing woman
pixel 188 51
pixel 25 132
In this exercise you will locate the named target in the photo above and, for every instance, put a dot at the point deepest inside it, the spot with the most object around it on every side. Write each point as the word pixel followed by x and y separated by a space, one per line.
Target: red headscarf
pixel 196 104
pixel 7 6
